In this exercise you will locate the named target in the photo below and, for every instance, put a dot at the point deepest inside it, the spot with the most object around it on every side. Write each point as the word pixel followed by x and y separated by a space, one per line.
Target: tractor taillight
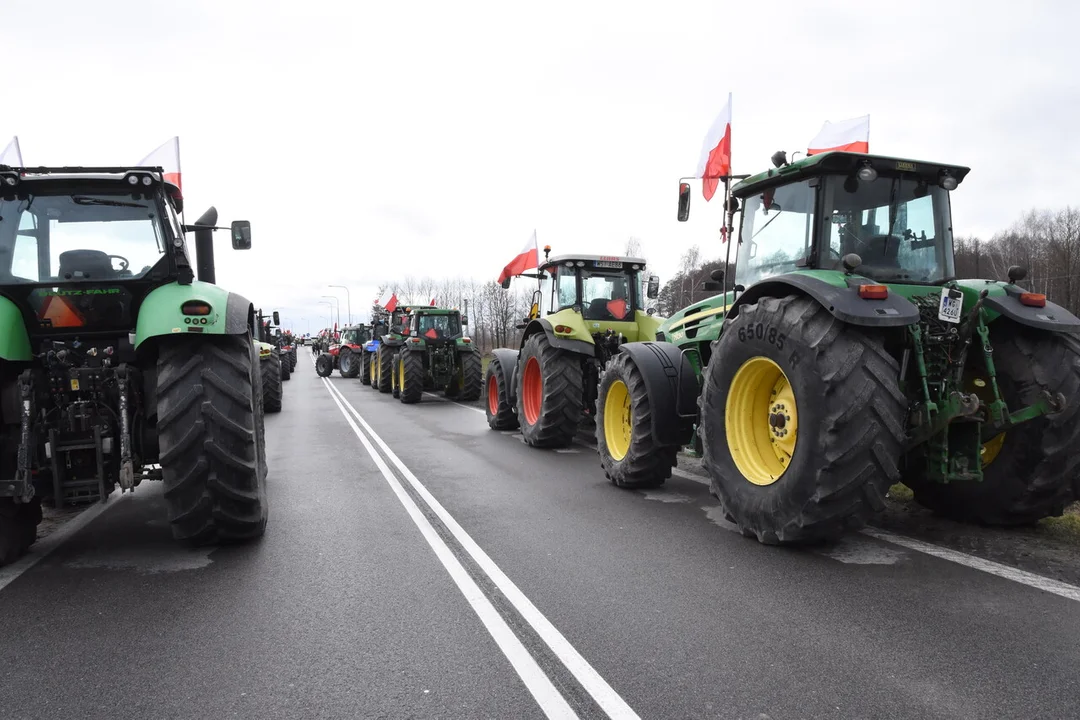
pixel 466 340
pixel 195 307
pixel 873 292
pixel 1033 299
pixel 415 339
pixel 564 329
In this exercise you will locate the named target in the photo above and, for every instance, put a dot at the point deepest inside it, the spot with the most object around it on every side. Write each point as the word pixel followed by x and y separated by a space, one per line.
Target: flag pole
pixel 728 231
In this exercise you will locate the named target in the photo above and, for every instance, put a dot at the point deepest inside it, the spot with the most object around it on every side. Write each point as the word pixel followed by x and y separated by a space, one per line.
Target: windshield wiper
pixel 81 200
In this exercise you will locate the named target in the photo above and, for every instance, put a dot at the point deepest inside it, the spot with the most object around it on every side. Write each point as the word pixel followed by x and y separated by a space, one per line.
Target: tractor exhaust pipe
pixel 204 245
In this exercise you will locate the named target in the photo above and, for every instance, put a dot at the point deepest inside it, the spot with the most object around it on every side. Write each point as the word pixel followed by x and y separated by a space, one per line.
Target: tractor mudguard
pixel 843 302
pixel 14 340
pixel 508 360
pixel 672 387
pixel 160 312
pixel 1053 317
pixel 578 346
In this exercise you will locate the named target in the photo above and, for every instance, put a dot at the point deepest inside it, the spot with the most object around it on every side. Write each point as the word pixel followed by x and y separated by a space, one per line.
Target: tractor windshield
pixel 609 295
pixel 899 226
pixel 777 232
pixel 439 327
pixel 79 238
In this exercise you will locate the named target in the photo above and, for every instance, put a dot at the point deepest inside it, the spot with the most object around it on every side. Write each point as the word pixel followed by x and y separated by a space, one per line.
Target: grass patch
pixel 901 493
pixel 1066 527
pixel 484 362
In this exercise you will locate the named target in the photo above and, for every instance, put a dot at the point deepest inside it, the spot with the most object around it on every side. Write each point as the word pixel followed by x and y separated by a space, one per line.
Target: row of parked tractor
pixel 842 357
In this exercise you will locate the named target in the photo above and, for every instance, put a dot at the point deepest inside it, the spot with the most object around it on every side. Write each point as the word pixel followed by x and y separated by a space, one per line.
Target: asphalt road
pixel 420 565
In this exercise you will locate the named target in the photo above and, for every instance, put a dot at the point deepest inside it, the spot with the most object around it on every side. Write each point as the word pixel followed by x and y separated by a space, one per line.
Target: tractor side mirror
pixel 464 321
pixel 241 235
pixel 684 202
pixel 277 318
pixel 653 289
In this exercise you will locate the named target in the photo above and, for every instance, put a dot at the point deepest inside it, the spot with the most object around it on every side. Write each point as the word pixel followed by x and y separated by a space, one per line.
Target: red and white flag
pixel 167 157
pixel 388 300
pixel 12 154
pixel 432 302
pixel 715 161
pixel 527 259
pixel 847 135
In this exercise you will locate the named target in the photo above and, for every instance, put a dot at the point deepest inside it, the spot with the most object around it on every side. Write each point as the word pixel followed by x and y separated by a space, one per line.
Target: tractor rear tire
pixel 386 370
pixel 629 453
pixel 271 382
pixel 324 365
pixel 18 528
pixel 1031 472
pixel 499 409
pixel 348 365
pixel 472 374
pixel 365 367
pixel 212 441
pixel 550 393
pixel 803 422
pixel 410 379
pixel 286 367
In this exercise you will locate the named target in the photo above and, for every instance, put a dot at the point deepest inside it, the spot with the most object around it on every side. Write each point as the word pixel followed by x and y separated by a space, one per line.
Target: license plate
pixel 951 305
pixel 608 264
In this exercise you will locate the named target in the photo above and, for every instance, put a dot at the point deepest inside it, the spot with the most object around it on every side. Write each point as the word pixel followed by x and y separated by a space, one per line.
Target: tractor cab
pixel 355 336
pixel 437 326
pixel 601 288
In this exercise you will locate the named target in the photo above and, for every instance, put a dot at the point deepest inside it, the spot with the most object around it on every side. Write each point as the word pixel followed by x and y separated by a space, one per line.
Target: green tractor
pixel 272 367
pixel 116 364
pixel 437 355
pixel 849 357
pixel 394 328
pixel 548 386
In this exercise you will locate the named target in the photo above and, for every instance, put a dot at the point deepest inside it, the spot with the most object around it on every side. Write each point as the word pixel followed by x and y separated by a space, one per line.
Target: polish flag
pixel 847 135
pixel 432 302
pixel 167 157
pixel 715 161
pixel 527 259
pixel 388 300
pixel 12 155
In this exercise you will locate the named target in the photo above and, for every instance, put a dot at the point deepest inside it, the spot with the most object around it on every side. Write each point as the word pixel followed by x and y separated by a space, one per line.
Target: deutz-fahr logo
pixel 87 291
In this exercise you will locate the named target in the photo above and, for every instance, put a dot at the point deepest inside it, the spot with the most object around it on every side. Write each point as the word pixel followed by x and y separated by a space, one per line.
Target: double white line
pixel 551 701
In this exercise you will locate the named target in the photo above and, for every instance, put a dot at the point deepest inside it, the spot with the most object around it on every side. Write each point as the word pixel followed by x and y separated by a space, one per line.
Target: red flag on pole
pixel 848 135
pixel 167 156
pixel 12 154
pixel 527 259
pixel 715 161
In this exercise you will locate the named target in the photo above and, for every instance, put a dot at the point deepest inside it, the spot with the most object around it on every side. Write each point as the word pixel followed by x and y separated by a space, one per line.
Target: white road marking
pixel 604 695
pixel 543 691
pixel 454 402
pixel 40 549
pixel 1065 590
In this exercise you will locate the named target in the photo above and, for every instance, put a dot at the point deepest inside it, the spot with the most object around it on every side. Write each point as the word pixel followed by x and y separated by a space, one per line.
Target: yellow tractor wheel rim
pixel 762 421
pixel 401 375
pixel 991 448
pixel 617 427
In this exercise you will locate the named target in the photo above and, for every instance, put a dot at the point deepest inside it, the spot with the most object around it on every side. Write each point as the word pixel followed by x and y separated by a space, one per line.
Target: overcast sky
pixel 366 141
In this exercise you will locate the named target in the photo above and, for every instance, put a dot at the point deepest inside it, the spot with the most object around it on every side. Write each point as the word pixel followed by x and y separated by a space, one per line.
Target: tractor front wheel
pixel 802 421
pixel 1028 470
pixel 348 365
pixel 211 437
pixel 629 453
pixel 385 370
pixel 549 393
pixel 324 365
pixel 499 409
pixel 410 380
pixel 270 369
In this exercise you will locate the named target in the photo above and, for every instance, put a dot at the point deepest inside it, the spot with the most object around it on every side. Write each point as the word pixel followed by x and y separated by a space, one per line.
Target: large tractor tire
pixel 472 376
pixel 1028 471
pixel 629 453
pixel 271 382
pixel 498 408
pixel 395 376
pixel 386 370
pixel 365 367
pixel 211 439
pixel 803 422
pixel 550 396
pixel 348 363
pixel 18 528
pixel 286 367
pixel 324 365
pixel 410 377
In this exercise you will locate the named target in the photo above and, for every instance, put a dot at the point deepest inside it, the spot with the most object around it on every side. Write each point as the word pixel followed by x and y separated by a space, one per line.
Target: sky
pixel 369 141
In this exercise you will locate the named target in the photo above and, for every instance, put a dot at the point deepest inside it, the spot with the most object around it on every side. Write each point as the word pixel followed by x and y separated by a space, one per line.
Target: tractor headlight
pixel 867 173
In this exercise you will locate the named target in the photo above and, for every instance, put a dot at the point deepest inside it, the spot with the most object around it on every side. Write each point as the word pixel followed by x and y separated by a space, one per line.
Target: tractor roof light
pixel 1033 299
pixel 9 179
pixel 948 181
pixel 867 173
pixel 196 307
pixel 873 292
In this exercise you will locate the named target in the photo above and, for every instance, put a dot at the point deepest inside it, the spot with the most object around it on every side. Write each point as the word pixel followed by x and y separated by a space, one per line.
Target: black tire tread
pixel 354 363
pixel 473 376
pixel 505 418
pixel 413 388
pixel 563 396
pixel 386 369
pixel 271 382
